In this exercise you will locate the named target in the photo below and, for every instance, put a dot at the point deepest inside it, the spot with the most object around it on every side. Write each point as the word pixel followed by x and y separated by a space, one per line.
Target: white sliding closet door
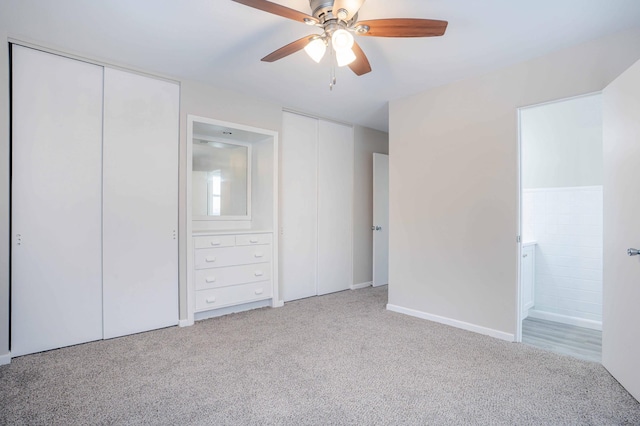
pixel 56 284
pixel 299 209
pixel 140 197
pixel 335 207
pixel 317 207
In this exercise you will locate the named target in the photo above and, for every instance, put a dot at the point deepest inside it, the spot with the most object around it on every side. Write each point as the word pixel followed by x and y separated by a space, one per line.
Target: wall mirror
pixel 220 173
pixel 220 179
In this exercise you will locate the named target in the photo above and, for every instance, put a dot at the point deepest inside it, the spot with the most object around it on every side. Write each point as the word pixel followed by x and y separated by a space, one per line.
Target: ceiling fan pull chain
pixel 332 70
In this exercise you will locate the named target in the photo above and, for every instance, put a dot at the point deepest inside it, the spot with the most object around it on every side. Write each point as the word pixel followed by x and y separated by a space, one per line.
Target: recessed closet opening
pixel 232 206
pixel 562 226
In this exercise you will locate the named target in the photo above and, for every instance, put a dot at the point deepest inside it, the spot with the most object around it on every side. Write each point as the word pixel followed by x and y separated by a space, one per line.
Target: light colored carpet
pixel 337 359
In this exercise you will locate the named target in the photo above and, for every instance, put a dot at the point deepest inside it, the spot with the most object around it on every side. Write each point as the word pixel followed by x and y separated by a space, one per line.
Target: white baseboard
pixel 198 316
pixel 361 285
pixel 277 304
pixel 565 319
pixel 5 359
pixel 185 323
pixel 454 323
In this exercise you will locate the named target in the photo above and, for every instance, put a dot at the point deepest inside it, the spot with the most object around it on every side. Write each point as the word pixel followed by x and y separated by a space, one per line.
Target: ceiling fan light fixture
pixel 345 57
pixel 342 40
pixel 316 49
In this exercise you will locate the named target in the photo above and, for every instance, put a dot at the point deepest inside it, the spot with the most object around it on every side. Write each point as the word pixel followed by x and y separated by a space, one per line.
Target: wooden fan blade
pixel 361 65
pixel 288 49
pixel 351 6
pixel 279 10
pixel 402 27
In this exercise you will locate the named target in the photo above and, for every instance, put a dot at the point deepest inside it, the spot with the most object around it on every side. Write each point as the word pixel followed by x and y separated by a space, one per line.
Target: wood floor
pixel 565 339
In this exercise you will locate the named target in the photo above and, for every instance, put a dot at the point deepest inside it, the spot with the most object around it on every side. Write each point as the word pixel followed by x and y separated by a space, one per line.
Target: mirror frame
pixel 190 137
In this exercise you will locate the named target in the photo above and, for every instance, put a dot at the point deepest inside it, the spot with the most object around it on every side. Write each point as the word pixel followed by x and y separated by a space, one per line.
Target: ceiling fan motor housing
pixel 323 11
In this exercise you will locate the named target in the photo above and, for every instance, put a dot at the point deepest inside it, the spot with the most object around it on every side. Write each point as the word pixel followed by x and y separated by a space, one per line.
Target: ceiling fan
pixel 339 21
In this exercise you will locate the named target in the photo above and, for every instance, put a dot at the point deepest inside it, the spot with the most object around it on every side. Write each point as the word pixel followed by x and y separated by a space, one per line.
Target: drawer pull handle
pixel 211 259
pixel 259 255
pixel 259 273
pixel 211 300
pixel 211 279
pixel 259 291
pixel 215 243
pixel 254 241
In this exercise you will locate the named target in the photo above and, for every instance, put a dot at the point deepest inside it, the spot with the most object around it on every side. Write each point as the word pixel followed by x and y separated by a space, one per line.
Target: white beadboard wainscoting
pixel 567 225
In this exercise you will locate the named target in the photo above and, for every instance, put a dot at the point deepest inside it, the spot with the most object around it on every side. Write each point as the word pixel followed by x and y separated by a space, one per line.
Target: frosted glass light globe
pixel 345 57
pixel 316 49
pixel 342 40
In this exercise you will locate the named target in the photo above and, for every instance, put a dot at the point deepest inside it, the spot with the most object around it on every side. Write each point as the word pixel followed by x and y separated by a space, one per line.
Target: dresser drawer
pixel 233 295
pixel 214 241
pixel 230 256
pixel 253 239
pixel 231 275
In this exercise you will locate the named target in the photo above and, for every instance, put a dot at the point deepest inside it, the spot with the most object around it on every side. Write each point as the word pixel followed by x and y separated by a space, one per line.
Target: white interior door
pixel 620 338
pixel 380 219
pixel 335 207
pixel 140 198
pixel 56 276
pixel 299 208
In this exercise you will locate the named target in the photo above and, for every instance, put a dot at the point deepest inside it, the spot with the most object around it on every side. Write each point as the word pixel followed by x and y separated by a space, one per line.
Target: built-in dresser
pixel 232 269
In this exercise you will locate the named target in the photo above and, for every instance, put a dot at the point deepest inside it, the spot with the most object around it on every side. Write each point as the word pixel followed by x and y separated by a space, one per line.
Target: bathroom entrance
pixel 561 258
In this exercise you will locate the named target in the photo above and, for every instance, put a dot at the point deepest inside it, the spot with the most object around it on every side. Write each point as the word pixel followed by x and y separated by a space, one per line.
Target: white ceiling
pixel 221 42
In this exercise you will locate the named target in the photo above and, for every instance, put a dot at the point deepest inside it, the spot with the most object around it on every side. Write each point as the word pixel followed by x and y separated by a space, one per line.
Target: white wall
pixel 367 141
pixel 4 194
pixel 262 181
pixel 567 224
pixel 562 143
pixel 454 182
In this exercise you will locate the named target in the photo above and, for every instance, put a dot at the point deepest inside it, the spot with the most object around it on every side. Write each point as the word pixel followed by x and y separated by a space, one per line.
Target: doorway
pixel 561 226
pixel 380 226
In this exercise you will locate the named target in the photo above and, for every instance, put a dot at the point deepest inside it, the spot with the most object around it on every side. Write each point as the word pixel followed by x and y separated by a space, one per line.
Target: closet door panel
pixel 335 207
pixel 140 199
pixel 56 284
pixel 298 243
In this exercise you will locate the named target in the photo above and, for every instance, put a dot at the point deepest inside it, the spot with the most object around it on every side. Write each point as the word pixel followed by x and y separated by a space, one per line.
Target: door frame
pixel 519 319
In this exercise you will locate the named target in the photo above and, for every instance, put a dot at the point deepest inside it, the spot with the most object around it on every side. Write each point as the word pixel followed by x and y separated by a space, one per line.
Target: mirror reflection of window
pixel 214 182
pixel 219 179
